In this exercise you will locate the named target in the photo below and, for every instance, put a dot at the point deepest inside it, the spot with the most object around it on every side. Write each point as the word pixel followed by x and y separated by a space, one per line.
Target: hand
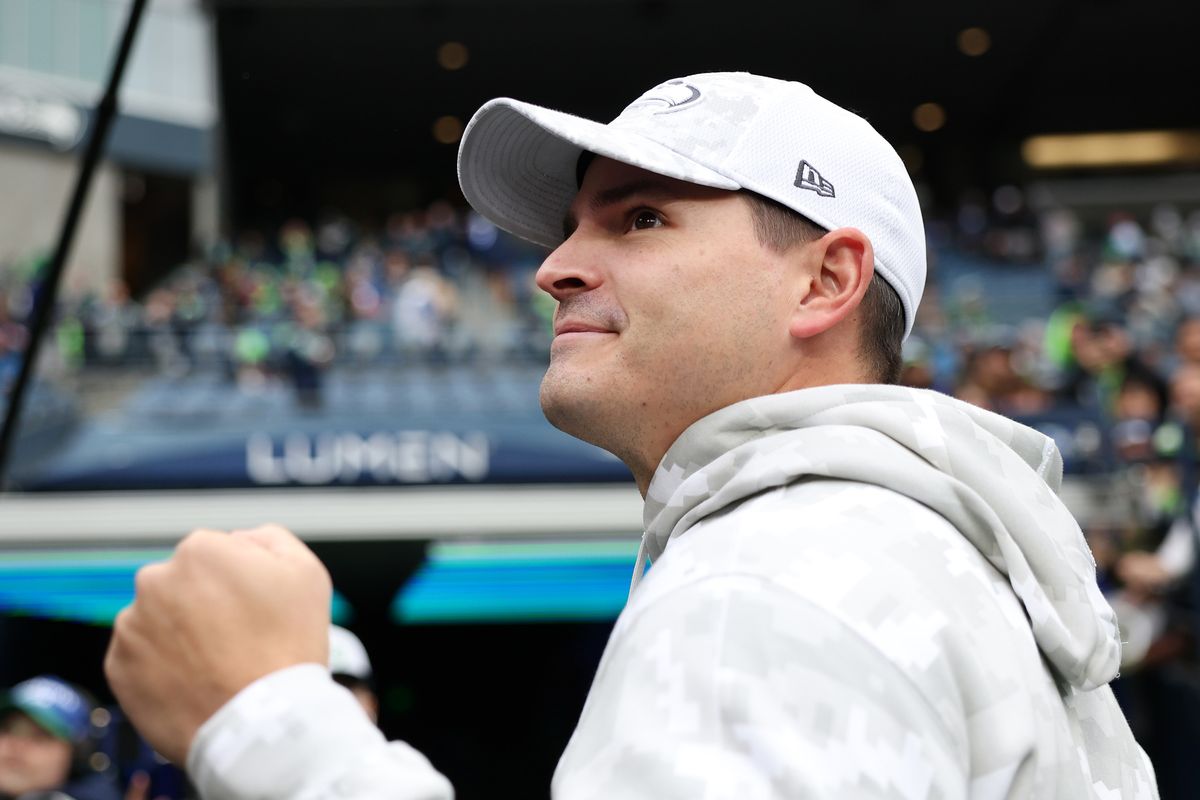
pixel 225 610
pixel 139 788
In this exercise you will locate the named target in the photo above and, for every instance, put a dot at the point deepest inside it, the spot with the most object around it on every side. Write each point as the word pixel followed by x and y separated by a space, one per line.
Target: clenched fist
pixel 225 610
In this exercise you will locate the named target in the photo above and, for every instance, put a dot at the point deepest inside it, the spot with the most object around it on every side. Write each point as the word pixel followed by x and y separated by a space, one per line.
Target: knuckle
pixel 274 528
pixel 273 532
pixel 146 580
pixel 198 538
pixel 199 544
pixel 121 621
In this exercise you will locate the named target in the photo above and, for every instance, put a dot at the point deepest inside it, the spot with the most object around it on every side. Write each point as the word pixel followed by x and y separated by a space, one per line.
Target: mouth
pixel 567 339
pixel 572 336
pixel 569 328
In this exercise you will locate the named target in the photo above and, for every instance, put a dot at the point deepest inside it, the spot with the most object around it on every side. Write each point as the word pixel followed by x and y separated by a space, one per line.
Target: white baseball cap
pixel 347 656
pixel 730 130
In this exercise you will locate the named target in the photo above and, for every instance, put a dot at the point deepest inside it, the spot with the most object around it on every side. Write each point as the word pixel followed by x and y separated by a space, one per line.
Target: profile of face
pixel 669 309
pixel 31 758
pixel 1185 392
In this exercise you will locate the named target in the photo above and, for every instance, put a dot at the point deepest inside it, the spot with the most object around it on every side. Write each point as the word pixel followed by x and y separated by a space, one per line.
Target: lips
pixel 574 326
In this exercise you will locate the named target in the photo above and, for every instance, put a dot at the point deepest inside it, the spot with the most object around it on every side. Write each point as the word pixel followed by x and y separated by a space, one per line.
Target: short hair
pixel 881 333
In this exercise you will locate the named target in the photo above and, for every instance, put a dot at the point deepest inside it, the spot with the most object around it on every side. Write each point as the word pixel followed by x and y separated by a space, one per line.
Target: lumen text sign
pixel 405 456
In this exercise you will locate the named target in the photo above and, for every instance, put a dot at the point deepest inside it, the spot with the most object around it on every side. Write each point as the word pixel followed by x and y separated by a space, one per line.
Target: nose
pixel 569 270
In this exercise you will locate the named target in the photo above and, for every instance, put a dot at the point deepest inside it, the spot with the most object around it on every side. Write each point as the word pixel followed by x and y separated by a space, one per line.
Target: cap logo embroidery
pixel 809 178
pixel 670 97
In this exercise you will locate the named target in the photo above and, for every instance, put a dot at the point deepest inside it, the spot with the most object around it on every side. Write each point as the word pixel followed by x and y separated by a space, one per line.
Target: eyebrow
pixel 613 195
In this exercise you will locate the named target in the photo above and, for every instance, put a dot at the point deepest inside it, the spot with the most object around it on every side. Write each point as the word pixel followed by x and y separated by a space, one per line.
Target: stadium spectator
pixel 351 667
pixel 1103 358
pixel 45 742
pixel 112 320
pixel 309 350
pixel 990 380
pixel 422 311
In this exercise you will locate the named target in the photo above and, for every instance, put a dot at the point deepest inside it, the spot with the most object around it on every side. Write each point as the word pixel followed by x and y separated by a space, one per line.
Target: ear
pixel 841 265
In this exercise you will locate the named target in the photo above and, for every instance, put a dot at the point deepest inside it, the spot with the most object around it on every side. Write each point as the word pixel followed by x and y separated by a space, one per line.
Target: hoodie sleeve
pixel 733 687
pixel 297 735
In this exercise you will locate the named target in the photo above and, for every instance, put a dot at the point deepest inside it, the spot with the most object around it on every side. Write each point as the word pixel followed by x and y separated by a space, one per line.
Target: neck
pixel 642 446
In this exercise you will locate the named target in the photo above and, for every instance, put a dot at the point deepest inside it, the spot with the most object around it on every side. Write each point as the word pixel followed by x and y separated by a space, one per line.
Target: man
pixel 44 744
pixel 351 667
pixel 858 590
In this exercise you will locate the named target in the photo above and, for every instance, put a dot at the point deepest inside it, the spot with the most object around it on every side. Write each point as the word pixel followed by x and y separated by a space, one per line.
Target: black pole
pixel 43 306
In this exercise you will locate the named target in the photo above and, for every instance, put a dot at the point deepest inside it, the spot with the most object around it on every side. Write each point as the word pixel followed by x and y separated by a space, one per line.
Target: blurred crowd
pixel 440 284
pixel 430 286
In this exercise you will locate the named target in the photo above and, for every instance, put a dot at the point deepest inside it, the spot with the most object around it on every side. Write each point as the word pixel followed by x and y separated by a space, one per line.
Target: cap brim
pixel 517 161
pixel 50 723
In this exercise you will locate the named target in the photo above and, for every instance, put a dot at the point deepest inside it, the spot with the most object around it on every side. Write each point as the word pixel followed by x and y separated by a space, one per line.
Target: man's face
pixel 31 758
pixel 669 308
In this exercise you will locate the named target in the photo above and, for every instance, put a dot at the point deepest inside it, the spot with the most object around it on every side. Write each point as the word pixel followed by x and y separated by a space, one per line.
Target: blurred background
pixel 278 307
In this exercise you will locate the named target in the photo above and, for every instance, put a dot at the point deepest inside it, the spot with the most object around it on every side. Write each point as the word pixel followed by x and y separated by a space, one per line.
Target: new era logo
pixel 809 178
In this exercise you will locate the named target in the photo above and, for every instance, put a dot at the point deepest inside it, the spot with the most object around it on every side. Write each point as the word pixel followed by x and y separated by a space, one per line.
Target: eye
pixel 644 219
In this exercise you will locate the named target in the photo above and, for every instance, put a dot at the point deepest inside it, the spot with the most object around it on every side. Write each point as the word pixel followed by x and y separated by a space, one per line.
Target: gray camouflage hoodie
pixel 994 480
pixel 857 591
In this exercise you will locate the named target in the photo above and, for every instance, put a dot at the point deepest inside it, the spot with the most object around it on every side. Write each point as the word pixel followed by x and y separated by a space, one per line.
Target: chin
pixel 573 405
pixel 560 406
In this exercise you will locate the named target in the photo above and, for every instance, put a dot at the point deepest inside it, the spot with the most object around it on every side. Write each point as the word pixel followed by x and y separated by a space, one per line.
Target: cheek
pixel 736 299
pixel 55 760
pixel 699 317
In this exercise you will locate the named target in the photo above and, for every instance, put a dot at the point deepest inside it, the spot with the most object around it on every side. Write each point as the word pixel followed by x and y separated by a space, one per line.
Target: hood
pixel 992 478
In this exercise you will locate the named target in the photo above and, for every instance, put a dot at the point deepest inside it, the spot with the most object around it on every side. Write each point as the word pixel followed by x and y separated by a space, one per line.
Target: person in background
pixel 46 742
pixel 351 667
